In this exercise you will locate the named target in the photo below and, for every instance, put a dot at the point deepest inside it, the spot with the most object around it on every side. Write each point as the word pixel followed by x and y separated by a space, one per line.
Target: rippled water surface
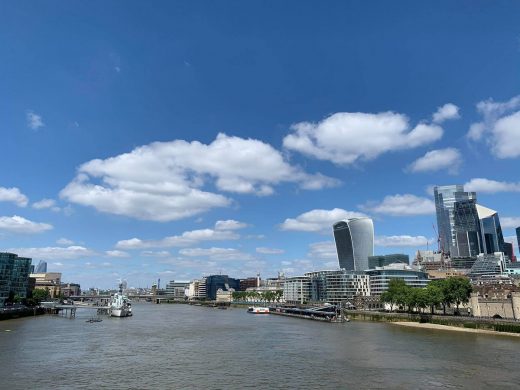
pixel 180 347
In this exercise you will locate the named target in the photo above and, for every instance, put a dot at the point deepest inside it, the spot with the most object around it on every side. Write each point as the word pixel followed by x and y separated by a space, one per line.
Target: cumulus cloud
pixel 402 241
pixel 509 222
pixel 491 186
pixel 402 205
pixel 229 224
pixel 446 112
pixel 216 253
pixel 499 127
pixel 46 204
pixel 64 241
pixel 318 220
pixel 116 253
pixel 17 224
pixel 13 195
pixel 346 137
pixel 185 239
pixel 323 250
pixel 34 121
pixel 269 251
pixel 155 253
pixel 54 253
pixel 164 181
pixel 435 160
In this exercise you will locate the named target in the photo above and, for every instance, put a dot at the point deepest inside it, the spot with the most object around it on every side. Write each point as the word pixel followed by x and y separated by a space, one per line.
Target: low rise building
pixel 297 289
pixel 177 290
pixel 70 289
pixel 338 286
pixel 197 289
pixel 381 277
pixel 50 281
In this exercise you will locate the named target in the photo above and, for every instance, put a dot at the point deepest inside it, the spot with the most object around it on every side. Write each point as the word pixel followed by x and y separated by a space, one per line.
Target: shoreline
pixel 452 328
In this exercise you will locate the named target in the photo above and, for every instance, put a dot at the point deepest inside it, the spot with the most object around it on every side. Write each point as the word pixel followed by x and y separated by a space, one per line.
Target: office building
pixel 70 289
pixel 354 243
pixel 14 276
pixel 381 277
pixel 518 238
pixel 445 198
pixel 297 289
pixel 224 282
pixel 337 286
pixel 41 268
pixel 488 264
pixel 177 290
pixel 508 251
pixel 197 289
pixel 382 260
pixel 50 281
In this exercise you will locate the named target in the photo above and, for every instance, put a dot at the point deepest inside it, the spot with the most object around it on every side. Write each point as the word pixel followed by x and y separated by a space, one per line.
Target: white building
pixel 297 289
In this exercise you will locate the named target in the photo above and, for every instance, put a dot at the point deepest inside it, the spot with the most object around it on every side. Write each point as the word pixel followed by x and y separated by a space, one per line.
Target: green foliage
pixel 40 294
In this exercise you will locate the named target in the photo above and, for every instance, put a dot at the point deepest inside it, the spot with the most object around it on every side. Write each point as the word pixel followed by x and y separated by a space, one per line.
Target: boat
pixel 258 310
pixel 120 305
pixel 91 320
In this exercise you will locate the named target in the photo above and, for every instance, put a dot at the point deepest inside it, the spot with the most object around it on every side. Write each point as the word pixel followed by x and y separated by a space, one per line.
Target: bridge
pixel 70 310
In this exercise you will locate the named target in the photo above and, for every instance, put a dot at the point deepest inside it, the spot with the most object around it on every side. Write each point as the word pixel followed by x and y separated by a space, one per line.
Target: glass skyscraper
pixel 445 198
pixel 518 238
pixel 354 243
pixel 41 268
pixel 14 275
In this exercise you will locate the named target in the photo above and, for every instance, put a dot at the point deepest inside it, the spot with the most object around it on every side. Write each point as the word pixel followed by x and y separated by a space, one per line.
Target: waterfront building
pixel 337 286
pixel 297 289
pixel 354 243
pixel 488 264
pixel 197 289
pixel 249 282
pixel 382 260
pixel 177 290
pixel 224 282
pixel 381 277
pixel 50 281
pixel 224 295
pixel 70 289
pixel 14 276
pixel 445 198
pixel 41 268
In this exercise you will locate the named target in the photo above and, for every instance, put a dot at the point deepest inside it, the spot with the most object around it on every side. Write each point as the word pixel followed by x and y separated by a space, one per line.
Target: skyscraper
pixel 354 243
pixel 41 268
pixel 518 238
pixel 445 198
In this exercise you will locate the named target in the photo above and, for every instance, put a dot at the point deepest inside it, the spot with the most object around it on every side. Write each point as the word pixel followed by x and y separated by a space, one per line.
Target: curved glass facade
pixel 354 243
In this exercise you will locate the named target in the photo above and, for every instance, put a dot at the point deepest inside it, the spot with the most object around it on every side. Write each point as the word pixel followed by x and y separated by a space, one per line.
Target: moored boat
pixel 120 304
pixel 258 310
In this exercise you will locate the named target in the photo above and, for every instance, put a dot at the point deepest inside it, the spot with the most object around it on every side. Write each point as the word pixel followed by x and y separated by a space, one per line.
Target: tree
pixel 434 295
pixel 396 293
pixel 40 294
pixel 460 289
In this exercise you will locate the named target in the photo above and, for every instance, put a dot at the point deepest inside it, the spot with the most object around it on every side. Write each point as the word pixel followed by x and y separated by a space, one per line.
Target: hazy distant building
pixel 41 268
pixel 70 289
pixel 14 276
pixel 177 290
pixel 224 282
pixel 354 243
pixel 445 198
pixel 382 260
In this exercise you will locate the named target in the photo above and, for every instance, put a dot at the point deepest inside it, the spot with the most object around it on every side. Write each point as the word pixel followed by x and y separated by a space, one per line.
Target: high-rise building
pixel 354 243
pixel 518 238
pixel 14 276
pixel 41 268
pixel 508 251
pixel 445 198
pixel 492 236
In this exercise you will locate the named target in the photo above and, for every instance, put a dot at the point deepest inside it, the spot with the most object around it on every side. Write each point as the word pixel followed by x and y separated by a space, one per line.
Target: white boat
pixel 258 310
pixel 120 305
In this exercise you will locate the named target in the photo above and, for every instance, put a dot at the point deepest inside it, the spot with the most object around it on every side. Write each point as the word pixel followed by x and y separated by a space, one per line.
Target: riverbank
pixel 452 328
pixel 18 313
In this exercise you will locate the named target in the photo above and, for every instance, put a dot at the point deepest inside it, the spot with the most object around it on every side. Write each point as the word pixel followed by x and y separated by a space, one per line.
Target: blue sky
pixel 177 139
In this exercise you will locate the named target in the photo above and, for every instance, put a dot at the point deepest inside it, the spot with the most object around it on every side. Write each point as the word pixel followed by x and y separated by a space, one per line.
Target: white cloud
pixel 402 241
pixel 435 160
pixel 318 220
pixel 446 112
pixel 346 137
pixel 185 239
pixel 13 195
pixel 229 224
pixel 54 253
pixel 46 204
pixel 116 253
pixel 499 127
pixel 269 251
pixel 509 222
pixel 323 250
pixel 491 186
pixel 16 224
pixel 216 253
pixel 402 205
pixel 64 241
pixel 155 253
pixel 163 181
pixel 34 121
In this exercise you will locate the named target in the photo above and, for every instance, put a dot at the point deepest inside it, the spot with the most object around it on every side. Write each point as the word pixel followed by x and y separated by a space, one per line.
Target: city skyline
pixel 186 140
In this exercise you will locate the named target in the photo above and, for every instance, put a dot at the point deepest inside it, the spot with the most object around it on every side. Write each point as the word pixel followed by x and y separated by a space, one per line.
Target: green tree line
pixel 446 292
pixel 256 296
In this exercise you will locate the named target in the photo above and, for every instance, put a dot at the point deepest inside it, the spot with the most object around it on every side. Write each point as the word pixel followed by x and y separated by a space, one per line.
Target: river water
pixel 193 347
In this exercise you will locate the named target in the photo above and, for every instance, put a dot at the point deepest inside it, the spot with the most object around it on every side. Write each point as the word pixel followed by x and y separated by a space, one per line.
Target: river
pixel 192 347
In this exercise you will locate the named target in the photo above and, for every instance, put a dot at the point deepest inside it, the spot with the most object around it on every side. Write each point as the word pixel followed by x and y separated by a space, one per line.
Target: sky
pixel 176 139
